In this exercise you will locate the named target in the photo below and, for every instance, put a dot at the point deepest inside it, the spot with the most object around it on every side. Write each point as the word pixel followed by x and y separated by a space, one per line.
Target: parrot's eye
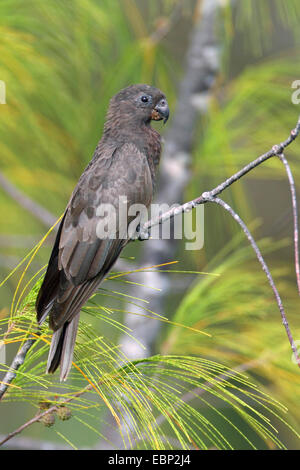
pixel 144 99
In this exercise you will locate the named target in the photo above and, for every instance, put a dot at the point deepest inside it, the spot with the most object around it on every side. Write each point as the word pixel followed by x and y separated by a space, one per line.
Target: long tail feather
pixel 62 348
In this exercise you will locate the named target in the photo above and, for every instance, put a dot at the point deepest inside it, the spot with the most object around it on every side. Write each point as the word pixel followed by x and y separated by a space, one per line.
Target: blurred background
pixel 227 69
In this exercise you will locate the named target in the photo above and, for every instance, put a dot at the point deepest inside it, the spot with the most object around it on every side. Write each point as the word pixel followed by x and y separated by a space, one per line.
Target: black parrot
pixel 124 164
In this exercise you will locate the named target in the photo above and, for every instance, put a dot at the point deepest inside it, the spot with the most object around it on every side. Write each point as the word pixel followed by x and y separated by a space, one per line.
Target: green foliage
pixel 62 61
pixel 164 401
pixel 148 399
pixel 256 108
pixel 239 310
pixel 260 21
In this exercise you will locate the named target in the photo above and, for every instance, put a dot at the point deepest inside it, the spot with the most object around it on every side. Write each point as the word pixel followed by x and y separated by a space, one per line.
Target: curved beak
pixel 161 111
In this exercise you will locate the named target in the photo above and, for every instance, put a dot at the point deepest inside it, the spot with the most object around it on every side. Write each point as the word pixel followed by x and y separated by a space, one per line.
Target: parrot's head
pixel 139 104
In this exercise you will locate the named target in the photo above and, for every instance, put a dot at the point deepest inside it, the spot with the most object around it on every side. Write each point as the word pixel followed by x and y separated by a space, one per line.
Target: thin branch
pixel 50 410
pixel 39 416
pixel 9 261
pixel 15 365
pixel 144 233
pixel 276 150
pixel 19 241
pixel 264 267
pixel 187 397
pixel 35 419
pixel 295 217
pixel 27 203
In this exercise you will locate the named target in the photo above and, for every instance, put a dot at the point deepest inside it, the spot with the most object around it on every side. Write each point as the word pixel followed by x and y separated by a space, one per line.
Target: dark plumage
pixel 124 164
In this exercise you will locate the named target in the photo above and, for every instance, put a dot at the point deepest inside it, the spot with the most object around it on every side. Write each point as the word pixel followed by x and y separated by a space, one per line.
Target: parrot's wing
pixel 80 258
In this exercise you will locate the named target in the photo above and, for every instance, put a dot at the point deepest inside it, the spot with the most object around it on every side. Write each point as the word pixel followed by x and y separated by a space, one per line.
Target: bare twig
pixel 16 364
pixel 202 68
pixel 186 398
pixel 204 198
pixel 9 261
pixel 41 415
pixel 295 217
pixel 264 267
pixel 276 150
pixel 18 241
pixel 35 419
pixel 27 203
